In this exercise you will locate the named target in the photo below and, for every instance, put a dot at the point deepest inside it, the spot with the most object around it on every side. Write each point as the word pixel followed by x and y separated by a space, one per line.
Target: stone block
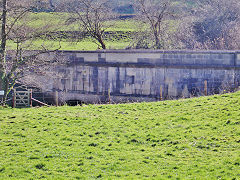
pixel 200 56
pixel 193 56
pixel 182 56
pixel 165 56
pixel 214 56
pixel 188 61
pixel 101 60
pixel 220 56
pixel 161 56
pixel 143 60
pixel 88 57
pixel 175 56
pixel 131 71
pixel 206 56
pixel 160 61
pixel 176 61
pixel 238 60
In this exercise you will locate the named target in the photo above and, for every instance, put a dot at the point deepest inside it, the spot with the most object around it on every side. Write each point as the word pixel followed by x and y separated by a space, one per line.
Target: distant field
pixel 68 45
pixel 57 21
pixel 186 139
pixel 118 35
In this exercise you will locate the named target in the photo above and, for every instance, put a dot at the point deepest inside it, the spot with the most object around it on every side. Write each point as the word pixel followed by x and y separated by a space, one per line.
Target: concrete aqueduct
pixel 141 75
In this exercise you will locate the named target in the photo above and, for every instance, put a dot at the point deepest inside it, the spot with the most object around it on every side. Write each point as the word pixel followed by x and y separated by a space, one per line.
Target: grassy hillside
pixel 56 22
pixel 118 36
pixel 186 139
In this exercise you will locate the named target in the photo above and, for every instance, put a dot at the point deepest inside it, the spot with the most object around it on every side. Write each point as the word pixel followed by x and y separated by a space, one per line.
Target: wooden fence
pixel 23 98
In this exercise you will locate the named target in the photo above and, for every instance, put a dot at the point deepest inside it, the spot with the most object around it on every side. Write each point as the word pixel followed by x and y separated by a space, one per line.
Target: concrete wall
pixel 95 76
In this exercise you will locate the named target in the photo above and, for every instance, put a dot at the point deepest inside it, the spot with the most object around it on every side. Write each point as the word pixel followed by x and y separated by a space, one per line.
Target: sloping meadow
pixel 196 138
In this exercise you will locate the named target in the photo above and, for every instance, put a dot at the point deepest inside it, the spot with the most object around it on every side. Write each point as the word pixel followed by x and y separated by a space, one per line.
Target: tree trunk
pixel 100 40
pixel 3 76
pixel 6 88
pixel 102 44
pixel 4 35
pixel 157 41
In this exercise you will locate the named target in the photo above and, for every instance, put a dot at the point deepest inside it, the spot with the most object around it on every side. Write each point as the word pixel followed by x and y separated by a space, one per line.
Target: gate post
pixel 30 97
pixel 56 98
pixel 205 88
pixel 161 93
pixel 14 98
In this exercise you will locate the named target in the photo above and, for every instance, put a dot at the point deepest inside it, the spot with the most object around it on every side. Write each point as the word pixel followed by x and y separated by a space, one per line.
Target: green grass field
pixel 120 34
pixel 88 45
pixel 55 22
pixel 185 139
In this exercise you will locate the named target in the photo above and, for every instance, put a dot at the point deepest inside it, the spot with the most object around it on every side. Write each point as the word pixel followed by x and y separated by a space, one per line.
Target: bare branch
pixel 92 17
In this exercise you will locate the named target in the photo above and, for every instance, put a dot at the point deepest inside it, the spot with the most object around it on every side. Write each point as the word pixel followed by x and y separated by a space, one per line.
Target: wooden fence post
pixel 161 93
pixel 109 96
pixel 56 98
pixel 205 88
pixel 30 97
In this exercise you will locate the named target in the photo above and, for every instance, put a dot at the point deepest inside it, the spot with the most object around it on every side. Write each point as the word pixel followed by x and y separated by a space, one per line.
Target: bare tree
pixel 93 17
pixel 15 61
pixel 212 24
pixel 154 14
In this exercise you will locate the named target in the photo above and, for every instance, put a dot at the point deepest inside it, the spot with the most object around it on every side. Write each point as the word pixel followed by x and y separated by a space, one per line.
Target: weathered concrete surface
pixel 97 76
